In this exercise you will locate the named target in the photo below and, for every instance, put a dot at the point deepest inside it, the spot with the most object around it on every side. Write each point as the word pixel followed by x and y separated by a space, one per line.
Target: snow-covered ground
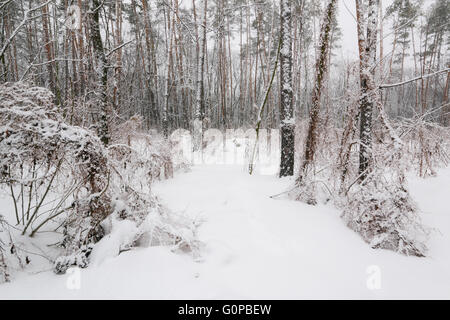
pixel 257 247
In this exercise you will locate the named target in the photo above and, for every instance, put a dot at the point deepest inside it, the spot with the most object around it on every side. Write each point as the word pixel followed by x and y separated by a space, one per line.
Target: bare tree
pixel 322 65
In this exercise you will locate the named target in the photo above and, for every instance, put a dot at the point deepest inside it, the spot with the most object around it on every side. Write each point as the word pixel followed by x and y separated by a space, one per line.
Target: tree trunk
pixel 49 52
pixel 321 72
pixel 199 94
pixel 368 90
pixel 286 109
pixel 101 69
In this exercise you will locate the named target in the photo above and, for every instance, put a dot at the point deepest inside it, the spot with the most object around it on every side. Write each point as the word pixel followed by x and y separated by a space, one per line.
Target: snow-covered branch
pixel 384 86
pixel 21 24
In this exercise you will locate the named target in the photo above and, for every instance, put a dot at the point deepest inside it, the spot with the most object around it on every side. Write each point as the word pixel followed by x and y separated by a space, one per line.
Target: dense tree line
pixel 166 62
pixel 203 64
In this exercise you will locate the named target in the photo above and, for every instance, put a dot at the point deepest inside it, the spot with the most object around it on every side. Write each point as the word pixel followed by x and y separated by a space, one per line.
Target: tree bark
pixel 286 108
pixel 101 70
pixel 322 66
pixel 199 94
pixel 368 91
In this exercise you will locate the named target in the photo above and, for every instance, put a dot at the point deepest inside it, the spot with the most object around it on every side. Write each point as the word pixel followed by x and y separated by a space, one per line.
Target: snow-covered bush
pixel 37 148
pixel 383 213
pixel 427 145
pixel 137 219
pixel 379 208
pixel 137 159
pixel 62 176
pixel 141 154
pixel 41 156
pixel 126 229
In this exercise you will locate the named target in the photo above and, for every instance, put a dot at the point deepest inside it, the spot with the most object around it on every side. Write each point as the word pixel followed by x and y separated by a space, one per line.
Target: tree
pixel 286 108
pixel 101 70
pixel 367 51
pixel 200 74
pixel 405 13
pixel 436 33
pixel 322 65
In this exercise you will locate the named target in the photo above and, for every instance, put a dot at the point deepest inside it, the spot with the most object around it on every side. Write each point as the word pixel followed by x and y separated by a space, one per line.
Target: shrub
pixel 383 213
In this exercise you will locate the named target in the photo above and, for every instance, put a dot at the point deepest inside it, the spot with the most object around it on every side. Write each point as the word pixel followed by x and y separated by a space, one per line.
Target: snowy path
pixel 258 247
pixel 264 248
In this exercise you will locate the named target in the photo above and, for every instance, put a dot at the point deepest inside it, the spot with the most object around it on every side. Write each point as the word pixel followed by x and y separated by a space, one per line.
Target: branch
pixel 118 47
pixel 181 20
pixel 384 86
pixel 21 24
pixel 4 4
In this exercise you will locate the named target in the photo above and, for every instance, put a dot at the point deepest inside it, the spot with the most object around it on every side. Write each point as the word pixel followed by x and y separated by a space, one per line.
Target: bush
pixel 63 175
pixel 42 157
pixel 383 213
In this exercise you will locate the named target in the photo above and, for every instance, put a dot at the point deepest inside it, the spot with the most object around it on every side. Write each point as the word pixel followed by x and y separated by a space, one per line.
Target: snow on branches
pixel 37 150
pixel 383 213
pixel 64 176
pixel 11 257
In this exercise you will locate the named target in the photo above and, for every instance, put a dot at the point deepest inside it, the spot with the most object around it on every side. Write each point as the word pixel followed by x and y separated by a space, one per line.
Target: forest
pixel 210 144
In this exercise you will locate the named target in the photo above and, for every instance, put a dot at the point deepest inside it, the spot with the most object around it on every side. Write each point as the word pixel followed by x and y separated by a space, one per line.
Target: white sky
pixel 347 23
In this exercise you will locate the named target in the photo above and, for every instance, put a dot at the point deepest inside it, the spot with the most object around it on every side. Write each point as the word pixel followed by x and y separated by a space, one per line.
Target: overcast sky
pixel 347 23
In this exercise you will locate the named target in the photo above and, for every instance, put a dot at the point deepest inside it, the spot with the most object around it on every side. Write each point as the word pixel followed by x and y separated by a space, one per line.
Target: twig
pixel 21 24
pixel 118 47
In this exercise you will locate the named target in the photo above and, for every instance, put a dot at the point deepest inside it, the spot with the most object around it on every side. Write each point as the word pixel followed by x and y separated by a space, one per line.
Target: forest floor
pixel 257 247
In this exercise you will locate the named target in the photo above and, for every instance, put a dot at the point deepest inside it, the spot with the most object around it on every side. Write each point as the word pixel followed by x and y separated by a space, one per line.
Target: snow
pixel 123 231
pixel 258 247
